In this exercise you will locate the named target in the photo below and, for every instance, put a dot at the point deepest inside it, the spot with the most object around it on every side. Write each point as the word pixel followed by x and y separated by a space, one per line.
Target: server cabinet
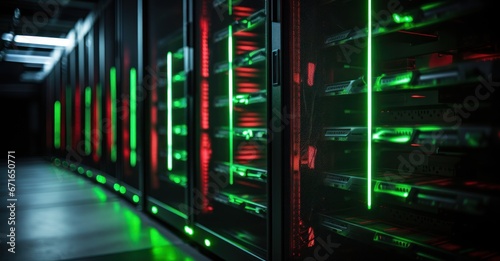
pixel 230 196
pixel 167 82
pixel 398 130
pixel 128 100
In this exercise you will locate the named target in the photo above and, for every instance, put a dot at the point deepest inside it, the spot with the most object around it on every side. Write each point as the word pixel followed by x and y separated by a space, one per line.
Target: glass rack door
pixel 397 133
pixel 168 171
pixel 231 192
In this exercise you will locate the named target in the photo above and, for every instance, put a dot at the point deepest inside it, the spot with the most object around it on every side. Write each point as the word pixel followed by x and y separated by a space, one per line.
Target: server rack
pixel 230 196
pixel 398 134
pixel 169 79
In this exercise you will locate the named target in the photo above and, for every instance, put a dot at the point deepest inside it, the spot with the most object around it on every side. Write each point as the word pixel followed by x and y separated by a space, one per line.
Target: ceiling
pixel 29 62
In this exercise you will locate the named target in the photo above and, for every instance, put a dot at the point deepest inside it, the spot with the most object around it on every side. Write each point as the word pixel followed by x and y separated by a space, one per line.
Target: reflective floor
pixel 61 216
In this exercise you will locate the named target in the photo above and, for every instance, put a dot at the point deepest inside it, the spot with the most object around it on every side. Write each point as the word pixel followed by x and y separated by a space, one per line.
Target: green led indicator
pixel 230 9
pixel 123 189
pixel 188 230
pixel 101 179
pixel 207 242
pixel 169 111
pixel 369 108
pixel 72 167
pixel 179 103
pixel 88 102
pixel 154 210
pixel 133 117
pixel 112 79
pixel 241 99
pixel 178 179
pixel 180 155
pixel 81 170
pixel 135 198
pixel 180 77
pixel 230 91
pixel 89 173
pixel 65 164
pixel 180 130
pixel 116 187
pixel 57 162
pixel 57 124
pixel 399 19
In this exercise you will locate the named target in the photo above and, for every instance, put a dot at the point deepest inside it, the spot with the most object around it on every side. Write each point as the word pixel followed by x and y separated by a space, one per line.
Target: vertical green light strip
pixel 112 79
pixel 133 117
pixel 169 111
pixel 57 124
pixel 88 97
pixel 99 100
pixel 230 7
pixel 230 91
pixel 369 107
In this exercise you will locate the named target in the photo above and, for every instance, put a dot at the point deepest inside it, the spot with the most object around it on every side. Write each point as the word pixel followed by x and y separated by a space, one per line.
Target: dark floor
pixel 61 216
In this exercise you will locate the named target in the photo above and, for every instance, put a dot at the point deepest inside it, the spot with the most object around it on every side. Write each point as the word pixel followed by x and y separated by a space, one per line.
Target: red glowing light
pixel 311 67
pixel 77 123
pixel 204 105
pixel 205 154
pixel 95 127
pixel 108 123
pixel 438 60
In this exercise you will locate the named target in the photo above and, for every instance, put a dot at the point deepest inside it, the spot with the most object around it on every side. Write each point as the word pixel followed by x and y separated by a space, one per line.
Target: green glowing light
pixel 112 79
pixel 180 155
pixel 369 108
pixel 398 190
pixel 207 242
pixel 241 99
pixel 230 9
pixel 101 179
pixel 388 81
pixel 180 103
pixel 474 139
pixel 178 179
pixel 169 111
pixel 57 124
pixel 133 117
pixel 116 187
pixel 72 167
pixel 230 91
pixel 402 19
pixel 123 189
pixel 154 210
pixel 179 54
pixel 188 230
pixel 431 5
pixel 180 130
pixel 88 102
pixel 89 173
pixel 81 170
pixel 101 195
pixel 133 226
pixel 179 77
pixel 65 164
pixel 135 198
pixel 398 135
